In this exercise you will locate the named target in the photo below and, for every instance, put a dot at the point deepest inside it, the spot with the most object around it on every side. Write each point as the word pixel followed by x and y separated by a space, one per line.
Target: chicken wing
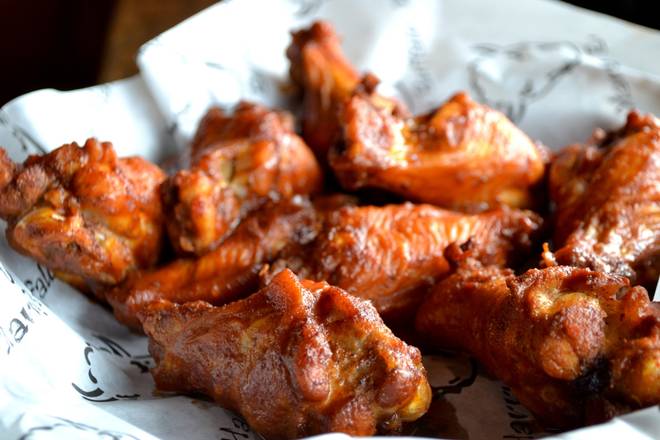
pixel 574 345
pixel 239 162
pixel 327 80
pixel 228 272
pixel 82 212
pixel 607 198
pixel 463 155
pixel 295 359
pixel 390 255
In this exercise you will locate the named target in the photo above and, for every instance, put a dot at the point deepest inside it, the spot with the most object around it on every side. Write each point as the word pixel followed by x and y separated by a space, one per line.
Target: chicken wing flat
pixel 463 155
pixel 82 212
pixel 390 255
pixel 607 200
pixel 228 272
pixel 574 345
pixel 239 162
pixel 327 80
pixel 296 358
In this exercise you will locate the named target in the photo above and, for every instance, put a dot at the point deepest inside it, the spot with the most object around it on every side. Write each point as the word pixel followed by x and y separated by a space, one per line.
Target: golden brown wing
pixel 462 156
pixel 390 255
pixel 241 161
pixel 325 78
pixel 82 212
pixel 296 358
pixel 607 201
pixel 574 345
pixel 228 272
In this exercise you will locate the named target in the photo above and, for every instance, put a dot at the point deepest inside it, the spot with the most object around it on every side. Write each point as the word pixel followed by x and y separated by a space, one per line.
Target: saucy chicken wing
pixel 574 345
pixel 85 214
pixel 295 359
pixel 228 272
pixel 326 79
pixel 607 198
pixel 239 162
pixel 390 255
pixel 463 155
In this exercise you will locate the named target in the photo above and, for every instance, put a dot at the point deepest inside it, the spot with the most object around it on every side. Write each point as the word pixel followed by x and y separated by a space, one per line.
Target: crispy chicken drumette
pixel 574 345
pixel 295 359
pixel 463 155
pixel 239 162
pixel 607 197
pixel 82 212
pixel 392 254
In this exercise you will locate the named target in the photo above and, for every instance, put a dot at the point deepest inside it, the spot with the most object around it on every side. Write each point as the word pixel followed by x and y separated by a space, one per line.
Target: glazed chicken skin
pixel 462 156
pixel 225 274
pixel 239 162
pixel 607 198
pixel 295 359
pixel 87 215
pixel 390 255
pixel 326 80
pixel 576 346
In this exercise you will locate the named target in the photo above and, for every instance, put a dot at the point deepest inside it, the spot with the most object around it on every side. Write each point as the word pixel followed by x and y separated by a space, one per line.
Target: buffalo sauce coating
pixel 608 202
pixel 576 346
pixel 463 155
pixel 296 358
pixel 82 212
pixel 391 254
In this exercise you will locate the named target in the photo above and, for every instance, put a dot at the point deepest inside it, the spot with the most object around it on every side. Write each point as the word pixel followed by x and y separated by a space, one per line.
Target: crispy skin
pixel 392 254
pixel 82 212
pixel 296 358
pixel 608 202
pixel 574 345
pixel 225 274
pixel 326 80
pixel 463 155
pixel 239 162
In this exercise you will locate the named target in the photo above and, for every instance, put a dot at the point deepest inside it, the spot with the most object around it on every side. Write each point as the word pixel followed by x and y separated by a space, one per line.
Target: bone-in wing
pixel 228 272
pixel 462 156
pixel 296 358
pixel 391 254
pixel 574 345
pixel 239 162
pixel 607 200
pixel 326 80
pixel 82 212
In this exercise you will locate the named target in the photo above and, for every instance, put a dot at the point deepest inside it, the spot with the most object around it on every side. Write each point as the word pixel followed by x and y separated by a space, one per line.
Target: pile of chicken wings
pixel 264 272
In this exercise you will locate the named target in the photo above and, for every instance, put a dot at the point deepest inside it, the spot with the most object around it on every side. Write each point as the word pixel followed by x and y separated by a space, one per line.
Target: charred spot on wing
pixel 595 380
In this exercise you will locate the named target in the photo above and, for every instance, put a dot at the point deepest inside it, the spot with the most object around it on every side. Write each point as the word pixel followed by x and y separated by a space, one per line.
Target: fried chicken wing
pixel 390 255
pixel 463 155
pixel 574 345
pixel 607 200
pixel 228 272
pixel 296 358
pixel 327 80
pixel 239 162
pixel 82 212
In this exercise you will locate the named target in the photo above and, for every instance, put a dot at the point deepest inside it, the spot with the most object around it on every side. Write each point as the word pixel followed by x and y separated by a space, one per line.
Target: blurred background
pixel 68 44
